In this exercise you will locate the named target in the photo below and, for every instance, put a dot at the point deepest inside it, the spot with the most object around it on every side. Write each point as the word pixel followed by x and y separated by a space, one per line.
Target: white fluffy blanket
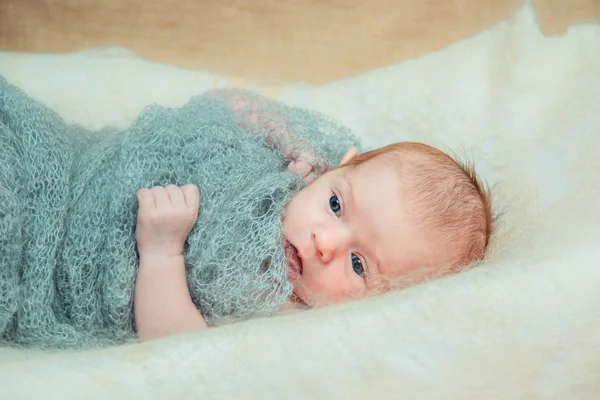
pixel 524 325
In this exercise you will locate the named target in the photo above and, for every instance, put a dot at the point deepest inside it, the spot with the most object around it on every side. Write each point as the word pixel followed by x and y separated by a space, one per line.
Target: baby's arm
pixel 255 116
pixel 162 301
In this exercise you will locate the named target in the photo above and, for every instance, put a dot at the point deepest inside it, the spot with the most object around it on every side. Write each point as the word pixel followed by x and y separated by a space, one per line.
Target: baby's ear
pixel 349 156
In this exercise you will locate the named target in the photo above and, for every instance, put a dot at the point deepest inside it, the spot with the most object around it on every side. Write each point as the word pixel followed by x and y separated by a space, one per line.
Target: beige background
pixel 312 40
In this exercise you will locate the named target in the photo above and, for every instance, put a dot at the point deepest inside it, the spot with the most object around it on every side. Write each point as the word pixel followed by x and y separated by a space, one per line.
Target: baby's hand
pixel 166 215
pixel 307 166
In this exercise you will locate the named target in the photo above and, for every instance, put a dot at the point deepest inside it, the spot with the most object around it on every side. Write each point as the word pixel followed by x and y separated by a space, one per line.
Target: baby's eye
pixel 334 204
pixel 357 266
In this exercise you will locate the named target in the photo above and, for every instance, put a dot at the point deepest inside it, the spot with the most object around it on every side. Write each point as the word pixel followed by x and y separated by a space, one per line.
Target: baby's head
pixel 386 218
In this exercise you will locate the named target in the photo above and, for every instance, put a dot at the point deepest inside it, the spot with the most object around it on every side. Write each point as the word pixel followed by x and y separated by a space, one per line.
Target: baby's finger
pixel 145 199
pixel 300 167
pixel 311 177
pixel 160 197
pixel 321 166
pixel 191 195
pixel 175 196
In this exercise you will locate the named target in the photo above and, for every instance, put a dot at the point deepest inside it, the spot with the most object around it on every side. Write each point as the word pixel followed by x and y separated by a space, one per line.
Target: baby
pixel 401 213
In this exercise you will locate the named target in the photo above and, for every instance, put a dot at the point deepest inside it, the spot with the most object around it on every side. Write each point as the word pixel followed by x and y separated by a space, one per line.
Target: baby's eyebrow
pixel 349 191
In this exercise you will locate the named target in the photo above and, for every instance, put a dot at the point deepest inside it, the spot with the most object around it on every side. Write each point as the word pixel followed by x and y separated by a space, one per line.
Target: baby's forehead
pixel 375 194
pixel 405 179
pixel 412 167
pixel 386 169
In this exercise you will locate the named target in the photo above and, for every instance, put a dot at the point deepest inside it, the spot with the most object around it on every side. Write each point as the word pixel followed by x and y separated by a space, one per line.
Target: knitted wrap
pixel 68 210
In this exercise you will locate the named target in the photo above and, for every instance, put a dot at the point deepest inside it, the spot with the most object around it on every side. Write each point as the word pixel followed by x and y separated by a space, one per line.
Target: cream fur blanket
pixel 524 325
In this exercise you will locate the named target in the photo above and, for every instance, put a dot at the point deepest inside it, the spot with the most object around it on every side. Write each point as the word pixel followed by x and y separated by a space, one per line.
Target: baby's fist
pixel 309 167
pixel 166 215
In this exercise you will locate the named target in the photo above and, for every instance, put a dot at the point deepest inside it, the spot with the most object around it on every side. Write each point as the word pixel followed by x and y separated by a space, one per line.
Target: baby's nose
pixel 329 243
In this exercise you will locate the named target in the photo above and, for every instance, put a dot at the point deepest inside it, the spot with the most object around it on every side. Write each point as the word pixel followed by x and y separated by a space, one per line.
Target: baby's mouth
pixel 294 261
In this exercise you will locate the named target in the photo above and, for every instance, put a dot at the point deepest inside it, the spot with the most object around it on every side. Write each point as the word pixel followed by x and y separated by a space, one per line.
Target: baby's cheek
pixel 344 288
pixel 294 216
pixel 333 289
pixel 312 290
pixel 314 285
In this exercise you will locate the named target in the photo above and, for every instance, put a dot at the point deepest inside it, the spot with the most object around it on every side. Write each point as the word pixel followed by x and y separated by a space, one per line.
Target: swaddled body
pixel 68 256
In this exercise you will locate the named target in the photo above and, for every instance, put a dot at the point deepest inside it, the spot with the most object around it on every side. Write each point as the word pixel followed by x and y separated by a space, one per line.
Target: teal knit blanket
pixel 68 258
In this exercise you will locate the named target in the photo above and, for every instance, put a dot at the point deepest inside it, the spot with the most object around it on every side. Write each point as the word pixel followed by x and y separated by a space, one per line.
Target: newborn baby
pixel 245 207
pixel 383 219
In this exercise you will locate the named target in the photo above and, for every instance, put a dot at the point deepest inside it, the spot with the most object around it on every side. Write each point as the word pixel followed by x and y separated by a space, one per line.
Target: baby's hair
pixel 445 196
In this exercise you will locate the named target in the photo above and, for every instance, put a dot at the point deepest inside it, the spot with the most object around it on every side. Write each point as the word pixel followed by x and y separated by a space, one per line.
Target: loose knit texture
pixel 68 210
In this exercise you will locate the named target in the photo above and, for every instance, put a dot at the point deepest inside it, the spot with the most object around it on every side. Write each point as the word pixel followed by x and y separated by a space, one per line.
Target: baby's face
pixel 347 233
